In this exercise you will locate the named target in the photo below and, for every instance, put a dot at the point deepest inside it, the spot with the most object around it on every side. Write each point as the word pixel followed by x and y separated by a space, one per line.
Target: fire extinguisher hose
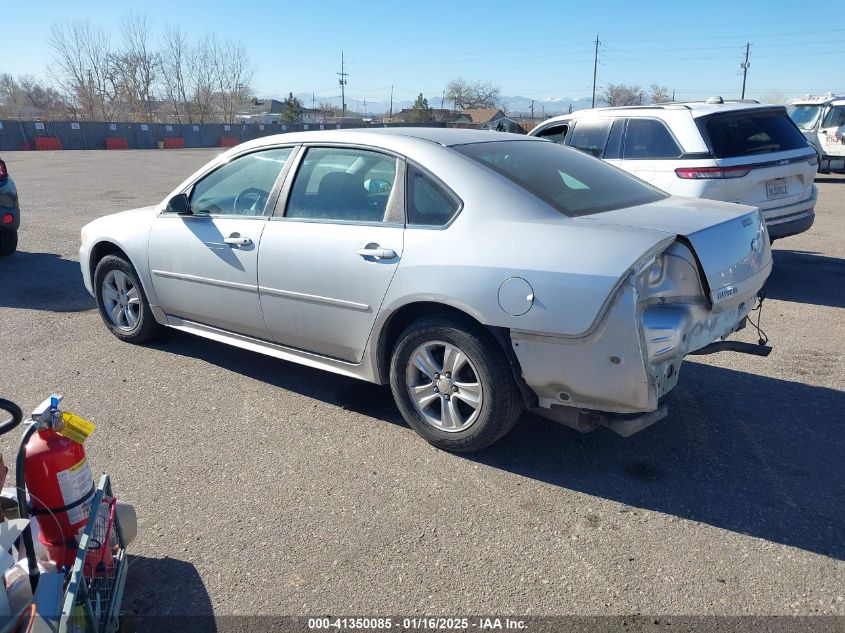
pixel 23 506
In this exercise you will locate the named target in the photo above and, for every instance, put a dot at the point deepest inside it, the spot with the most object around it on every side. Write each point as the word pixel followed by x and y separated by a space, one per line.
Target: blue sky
pixel 532 49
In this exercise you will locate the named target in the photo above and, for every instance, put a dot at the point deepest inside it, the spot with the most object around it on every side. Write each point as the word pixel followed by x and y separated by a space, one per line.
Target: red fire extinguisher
pixel 59 482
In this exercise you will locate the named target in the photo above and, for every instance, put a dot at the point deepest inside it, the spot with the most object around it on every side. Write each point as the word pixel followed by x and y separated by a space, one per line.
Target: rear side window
pixel 590 135
pixel 427 202
pixel 649 139
pixel 750 132
pixel 614 143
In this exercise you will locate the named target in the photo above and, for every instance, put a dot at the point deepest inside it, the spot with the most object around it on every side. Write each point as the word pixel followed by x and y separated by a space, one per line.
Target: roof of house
pixel 482 115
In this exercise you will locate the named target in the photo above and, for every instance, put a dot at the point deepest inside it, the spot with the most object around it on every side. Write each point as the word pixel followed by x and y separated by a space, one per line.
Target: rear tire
pixel 453 384
pixel 8 242
pixel 122 302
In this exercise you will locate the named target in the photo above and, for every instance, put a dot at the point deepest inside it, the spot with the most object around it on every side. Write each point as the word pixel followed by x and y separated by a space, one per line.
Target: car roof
pixel 392 136
pixel 695 108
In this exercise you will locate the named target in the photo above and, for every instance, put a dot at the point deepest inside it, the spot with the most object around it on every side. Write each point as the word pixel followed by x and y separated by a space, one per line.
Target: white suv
pixel 736 152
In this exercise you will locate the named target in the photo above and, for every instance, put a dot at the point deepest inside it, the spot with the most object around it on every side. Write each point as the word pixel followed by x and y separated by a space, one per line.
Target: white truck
pixel 822 120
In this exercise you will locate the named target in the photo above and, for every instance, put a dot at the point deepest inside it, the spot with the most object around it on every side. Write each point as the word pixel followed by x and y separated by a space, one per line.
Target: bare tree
pixel 774 97
pixel 83 68
pixel 659 94
pixel 201 80
pixel 622 95
pixel 233 76
pixel 175 74
pixel 137 67
pixel 468 94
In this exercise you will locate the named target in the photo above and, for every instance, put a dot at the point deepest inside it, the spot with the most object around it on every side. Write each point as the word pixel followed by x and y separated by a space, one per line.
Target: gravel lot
pixel 267 487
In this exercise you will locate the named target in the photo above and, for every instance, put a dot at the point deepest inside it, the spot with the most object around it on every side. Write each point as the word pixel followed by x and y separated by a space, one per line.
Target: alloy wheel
pixel 121 300
pixel 444 386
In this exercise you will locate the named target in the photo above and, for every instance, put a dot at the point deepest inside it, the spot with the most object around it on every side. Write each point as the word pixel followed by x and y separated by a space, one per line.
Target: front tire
pixel 122 302
pixel 453 384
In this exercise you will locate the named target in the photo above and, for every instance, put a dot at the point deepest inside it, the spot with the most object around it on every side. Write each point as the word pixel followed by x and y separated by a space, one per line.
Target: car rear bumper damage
pixel 617 375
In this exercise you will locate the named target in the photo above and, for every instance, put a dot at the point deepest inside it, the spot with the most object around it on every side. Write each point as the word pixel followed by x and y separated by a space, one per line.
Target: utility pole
pixel 673 95
pixel 391 100
pixel 532 109
pixel 595 69
pixel 365 106
pixel 313 100
pixel 744 67
pixel 343 81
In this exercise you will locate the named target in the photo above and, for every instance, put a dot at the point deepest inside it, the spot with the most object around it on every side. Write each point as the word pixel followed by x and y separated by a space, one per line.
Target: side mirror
pixel 179 204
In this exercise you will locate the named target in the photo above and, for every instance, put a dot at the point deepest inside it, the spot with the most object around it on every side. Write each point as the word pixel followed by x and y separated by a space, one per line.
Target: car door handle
pixel 236 240
pixel 376 252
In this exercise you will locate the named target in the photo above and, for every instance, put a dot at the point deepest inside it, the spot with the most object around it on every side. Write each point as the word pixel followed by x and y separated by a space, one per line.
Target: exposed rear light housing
pixel 709 173
pixel 3 172
pixel 813 160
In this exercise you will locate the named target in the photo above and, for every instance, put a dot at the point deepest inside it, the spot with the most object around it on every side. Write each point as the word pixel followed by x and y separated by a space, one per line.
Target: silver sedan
pixel 477 273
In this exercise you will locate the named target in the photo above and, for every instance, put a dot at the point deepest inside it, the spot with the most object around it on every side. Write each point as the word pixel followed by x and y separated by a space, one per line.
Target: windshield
pixel 750 133
pixel 835 117
pixel 573 183
pixel 805 116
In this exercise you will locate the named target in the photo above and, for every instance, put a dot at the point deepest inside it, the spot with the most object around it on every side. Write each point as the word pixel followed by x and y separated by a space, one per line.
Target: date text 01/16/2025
pixel 416 624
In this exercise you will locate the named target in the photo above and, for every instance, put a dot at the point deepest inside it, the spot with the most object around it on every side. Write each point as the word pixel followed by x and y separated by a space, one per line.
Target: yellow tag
pixel 76 428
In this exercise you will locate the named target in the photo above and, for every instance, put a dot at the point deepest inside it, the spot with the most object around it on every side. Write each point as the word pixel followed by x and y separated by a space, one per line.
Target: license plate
pixel 777 188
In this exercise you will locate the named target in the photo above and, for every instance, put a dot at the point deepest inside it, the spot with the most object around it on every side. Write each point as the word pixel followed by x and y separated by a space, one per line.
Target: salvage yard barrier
pixel 47 143
pixel 116 142
pixel 21 134
pixel 174 142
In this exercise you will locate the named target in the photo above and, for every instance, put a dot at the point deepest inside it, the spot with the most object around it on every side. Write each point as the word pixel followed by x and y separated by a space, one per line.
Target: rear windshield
pixel 805 116
pixel 750 132
pixel 572 182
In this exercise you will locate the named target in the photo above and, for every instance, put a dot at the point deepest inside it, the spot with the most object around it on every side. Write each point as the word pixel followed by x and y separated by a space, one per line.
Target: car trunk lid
pixel 730 241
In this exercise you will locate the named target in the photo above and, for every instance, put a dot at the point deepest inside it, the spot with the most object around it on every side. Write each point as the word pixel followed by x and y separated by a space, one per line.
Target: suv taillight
pixel 698 173
pixel 3 173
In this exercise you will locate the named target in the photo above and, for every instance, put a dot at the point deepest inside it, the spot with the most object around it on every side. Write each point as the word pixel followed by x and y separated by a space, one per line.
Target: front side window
pixel 349 185
pixel 555 133
pixel 568 181
pixel 240 187
pixel 590 135
pixel 648 138
pixel 835 117
pixel 428 203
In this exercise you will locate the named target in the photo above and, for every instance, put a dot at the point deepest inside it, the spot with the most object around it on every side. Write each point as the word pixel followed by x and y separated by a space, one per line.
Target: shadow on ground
pixel 165 594
pixel 42 281
pixel 741 452
pixel 807 277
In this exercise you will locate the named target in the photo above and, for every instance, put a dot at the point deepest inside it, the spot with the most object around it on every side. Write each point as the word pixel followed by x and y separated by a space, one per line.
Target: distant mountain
pixel 514 105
